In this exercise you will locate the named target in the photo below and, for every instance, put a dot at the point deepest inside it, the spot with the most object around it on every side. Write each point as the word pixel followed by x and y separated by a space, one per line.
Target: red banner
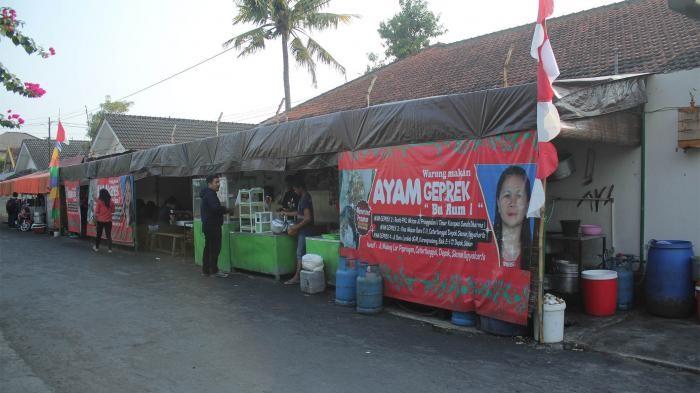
pixel 73 205
pixel 121 189
pixel 445 221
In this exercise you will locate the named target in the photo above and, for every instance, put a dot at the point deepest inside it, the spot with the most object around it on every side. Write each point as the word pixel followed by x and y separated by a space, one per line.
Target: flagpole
pixel 48 140
pixel 539 324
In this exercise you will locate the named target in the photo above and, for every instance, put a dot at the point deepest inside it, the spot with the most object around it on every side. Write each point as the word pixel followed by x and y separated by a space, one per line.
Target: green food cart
pixel 265 253
pixel 329 250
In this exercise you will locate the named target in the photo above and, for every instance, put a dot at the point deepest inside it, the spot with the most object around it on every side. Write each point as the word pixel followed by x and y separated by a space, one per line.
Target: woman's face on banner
pixel 512 201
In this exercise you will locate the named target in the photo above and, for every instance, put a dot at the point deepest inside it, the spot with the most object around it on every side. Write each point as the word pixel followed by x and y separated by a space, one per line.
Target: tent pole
pixel 539 320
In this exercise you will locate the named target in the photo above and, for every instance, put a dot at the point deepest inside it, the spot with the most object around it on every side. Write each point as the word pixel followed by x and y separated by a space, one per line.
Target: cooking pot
pixel 566 278
pixel 278 226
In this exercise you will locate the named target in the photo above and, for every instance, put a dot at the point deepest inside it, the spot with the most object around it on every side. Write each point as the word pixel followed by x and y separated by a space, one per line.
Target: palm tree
pixel 292 21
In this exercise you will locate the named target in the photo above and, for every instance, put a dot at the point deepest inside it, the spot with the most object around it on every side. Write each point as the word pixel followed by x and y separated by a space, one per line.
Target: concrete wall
pixel 615 167
pixel 672 177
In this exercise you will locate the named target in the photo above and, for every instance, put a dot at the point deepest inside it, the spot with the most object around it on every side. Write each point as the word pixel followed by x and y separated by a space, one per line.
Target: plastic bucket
pixel 553 321
pixel 464 318
pixel 599 292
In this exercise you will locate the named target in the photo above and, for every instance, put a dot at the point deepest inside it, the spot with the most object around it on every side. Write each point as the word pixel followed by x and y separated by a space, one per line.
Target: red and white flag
pixel 548 123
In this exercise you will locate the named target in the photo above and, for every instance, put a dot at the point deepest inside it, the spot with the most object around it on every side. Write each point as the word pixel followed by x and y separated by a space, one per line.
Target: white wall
pixel 617 166
pixel 24 160
pixel 106 142
pixel 672 177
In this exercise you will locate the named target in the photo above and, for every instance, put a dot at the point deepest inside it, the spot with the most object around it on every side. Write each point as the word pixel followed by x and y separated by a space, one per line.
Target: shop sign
pixel 445 221
pixel 73 205
pixel 124 218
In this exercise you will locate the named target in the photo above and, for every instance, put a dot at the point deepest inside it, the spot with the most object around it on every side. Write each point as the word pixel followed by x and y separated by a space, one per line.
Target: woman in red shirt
pixel 104 209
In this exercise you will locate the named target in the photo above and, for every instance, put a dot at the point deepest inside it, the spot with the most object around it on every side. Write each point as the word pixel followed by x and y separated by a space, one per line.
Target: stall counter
pixel 263 253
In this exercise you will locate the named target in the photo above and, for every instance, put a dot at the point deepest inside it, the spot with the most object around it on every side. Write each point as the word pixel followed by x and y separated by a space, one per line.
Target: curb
pixel 437 324
pixel 447 327
pixel 577 346
pixel 652 361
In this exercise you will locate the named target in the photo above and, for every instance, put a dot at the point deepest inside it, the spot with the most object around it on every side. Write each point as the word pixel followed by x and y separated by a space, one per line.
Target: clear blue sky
pixel 117 47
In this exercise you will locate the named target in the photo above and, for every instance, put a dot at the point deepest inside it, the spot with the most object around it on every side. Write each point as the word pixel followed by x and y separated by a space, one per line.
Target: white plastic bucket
pixel 312 262
pixel 553 321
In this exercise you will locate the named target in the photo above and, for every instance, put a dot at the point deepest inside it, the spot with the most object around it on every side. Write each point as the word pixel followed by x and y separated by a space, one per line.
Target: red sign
pixel 445 221
pixel 73 205
pixel 121 189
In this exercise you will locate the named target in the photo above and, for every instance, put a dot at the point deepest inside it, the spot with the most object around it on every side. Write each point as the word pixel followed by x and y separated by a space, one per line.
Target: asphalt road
pixel 75 321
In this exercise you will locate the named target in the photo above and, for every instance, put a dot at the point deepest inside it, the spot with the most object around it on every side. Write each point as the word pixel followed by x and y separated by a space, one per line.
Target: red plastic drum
pixel 599 292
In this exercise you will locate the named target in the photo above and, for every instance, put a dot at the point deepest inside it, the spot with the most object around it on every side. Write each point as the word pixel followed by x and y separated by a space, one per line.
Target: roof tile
pixel 143 132
pixel 646 34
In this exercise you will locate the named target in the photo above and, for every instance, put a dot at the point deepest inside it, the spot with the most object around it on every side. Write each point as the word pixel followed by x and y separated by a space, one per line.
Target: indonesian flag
pixel 548 123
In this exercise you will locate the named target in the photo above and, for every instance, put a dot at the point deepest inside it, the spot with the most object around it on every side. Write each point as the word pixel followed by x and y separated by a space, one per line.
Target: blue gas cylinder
pixel 345 282
pixel 669 285
pixel 625 288
pixel 369 290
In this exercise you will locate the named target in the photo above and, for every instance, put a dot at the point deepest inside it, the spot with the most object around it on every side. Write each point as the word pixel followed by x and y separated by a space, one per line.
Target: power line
pixel 82 111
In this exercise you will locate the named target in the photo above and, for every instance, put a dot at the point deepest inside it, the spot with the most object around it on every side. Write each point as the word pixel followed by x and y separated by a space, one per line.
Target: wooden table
pixel 155 245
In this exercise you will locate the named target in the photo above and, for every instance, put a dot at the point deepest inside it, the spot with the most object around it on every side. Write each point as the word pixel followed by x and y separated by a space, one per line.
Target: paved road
pixel 76 321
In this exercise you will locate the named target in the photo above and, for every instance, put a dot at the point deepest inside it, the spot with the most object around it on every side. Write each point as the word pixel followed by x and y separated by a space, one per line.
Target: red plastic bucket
pixel 599 292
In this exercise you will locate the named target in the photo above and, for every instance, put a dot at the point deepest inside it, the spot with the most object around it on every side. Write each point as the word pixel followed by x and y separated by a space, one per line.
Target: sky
pixel 116 48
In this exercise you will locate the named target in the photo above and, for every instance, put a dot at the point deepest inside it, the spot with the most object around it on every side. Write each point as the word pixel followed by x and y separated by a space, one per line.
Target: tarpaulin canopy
pixel 35 183
pixel 315 142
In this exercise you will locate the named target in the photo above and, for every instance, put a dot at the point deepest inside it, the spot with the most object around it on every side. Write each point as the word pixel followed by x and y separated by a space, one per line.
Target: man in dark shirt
pixel 290 200
pixel 12 207
pixel 304 222
pixel 212 213
pixel 167 210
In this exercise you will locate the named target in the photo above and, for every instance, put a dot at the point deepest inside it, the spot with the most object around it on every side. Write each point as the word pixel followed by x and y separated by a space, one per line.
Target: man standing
pixel 290 199
pixel 304 222
pixel 12 208
pixel 212 213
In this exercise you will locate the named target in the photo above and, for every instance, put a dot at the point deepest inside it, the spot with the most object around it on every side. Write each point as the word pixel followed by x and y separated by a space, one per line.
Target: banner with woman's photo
pixel 445 221
pixel 121 189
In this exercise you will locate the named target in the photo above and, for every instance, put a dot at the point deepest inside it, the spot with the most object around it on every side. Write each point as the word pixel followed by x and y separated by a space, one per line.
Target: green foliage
pixel 375 62
pixel 106 107
pixel 10 29
pixel 6 122
pixel 409 31
pixel 292 21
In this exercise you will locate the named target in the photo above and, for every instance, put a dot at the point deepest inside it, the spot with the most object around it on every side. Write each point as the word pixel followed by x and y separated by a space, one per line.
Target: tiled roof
pixel 143 132
pixel 13 139
pixel 646 35
pixel 39 150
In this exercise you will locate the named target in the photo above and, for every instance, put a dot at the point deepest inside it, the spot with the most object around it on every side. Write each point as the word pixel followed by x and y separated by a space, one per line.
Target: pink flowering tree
pixel 10 29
